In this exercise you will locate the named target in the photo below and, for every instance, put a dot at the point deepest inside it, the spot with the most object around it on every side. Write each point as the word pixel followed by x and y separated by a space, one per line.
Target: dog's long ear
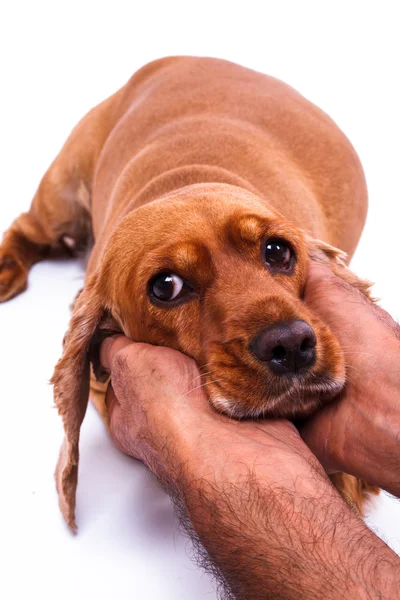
pixel 71 391
pixel 337 259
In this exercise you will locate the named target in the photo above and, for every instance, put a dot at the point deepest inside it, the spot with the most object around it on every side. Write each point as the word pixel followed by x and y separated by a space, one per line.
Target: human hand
pixel 252 491
pixel 360 432
pixel 159 413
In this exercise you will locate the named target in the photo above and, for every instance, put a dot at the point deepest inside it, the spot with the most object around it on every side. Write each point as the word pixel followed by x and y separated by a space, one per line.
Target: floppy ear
pixel 338 259
pixel 71 391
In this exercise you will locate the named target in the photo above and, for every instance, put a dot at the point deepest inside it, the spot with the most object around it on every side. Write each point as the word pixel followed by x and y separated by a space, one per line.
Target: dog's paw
pixel 13 276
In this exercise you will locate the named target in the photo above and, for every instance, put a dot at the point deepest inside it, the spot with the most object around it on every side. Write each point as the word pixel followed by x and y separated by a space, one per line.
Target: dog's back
pixel 186 120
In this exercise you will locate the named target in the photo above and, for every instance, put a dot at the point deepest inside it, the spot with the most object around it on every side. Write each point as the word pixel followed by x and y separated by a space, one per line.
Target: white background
pixel 57 60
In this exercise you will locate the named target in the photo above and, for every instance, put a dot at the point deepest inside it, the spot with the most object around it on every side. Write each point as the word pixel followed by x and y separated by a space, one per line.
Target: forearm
pixel 280 543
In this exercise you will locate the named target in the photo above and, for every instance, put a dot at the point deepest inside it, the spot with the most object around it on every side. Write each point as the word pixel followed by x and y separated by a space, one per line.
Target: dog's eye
pixel 278 255
pixel 166 287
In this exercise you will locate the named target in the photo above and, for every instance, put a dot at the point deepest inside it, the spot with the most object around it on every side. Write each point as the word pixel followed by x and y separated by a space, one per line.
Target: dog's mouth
pixel 290 369
pixel 298 397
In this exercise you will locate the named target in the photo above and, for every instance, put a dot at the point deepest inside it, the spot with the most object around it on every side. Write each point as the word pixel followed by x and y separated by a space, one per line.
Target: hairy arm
pixel 279 543
pixel 251 493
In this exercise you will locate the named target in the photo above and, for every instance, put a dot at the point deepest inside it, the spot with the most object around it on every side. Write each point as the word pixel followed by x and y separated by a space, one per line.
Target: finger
pixel 122 435
pixel 111 399
pixel 110 347
pixel 319 271
pixel 316 432
pixel 280 429
pixel 118 430
pixel 321 282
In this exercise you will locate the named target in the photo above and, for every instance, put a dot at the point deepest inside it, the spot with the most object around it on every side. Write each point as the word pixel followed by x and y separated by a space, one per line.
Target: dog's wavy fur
pixel 189 168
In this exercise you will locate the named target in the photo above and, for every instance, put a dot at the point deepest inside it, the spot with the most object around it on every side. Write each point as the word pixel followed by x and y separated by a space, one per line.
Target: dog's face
pixel 212 272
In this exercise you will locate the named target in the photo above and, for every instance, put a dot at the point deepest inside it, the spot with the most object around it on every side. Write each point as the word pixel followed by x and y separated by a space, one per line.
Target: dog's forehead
pixel 213 245
pixel 191 231
pixel 218 223
pixel 206 212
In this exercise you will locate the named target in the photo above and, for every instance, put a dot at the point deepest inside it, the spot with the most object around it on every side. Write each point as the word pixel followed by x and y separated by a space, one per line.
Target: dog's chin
pixel 299 400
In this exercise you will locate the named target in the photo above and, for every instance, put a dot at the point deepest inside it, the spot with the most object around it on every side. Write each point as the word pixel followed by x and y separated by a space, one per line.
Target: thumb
pixel 110 347
pixel 319 271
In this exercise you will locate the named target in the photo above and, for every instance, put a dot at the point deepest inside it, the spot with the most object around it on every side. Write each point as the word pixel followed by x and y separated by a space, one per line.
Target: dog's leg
pixel 54 220
pixel 59 216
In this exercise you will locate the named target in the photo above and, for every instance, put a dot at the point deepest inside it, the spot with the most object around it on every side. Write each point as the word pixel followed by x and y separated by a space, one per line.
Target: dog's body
pixel 183 121
pixel 186 146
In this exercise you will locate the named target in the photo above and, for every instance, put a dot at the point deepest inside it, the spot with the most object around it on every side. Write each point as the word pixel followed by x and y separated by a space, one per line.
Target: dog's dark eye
pixel 170 289
pixel 166 286
pixel 278 255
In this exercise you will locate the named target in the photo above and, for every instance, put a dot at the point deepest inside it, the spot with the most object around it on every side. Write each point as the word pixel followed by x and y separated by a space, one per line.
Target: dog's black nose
pixel 288 347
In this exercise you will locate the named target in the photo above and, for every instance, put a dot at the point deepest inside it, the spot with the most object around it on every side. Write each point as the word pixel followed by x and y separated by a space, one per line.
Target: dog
pixel 207 188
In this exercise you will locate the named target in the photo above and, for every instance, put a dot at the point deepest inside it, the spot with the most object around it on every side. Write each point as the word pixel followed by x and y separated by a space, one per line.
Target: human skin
pixel 359 433
pixel 253 493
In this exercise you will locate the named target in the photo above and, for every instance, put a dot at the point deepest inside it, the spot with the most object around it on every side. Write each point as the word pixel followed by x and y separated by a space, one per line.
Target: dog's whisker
pixel 232 411
pixel 202 385
pixel 207 364
pixel 196 378
pixel 206 373
pixel 351 379
pixel 362 353
pixel 354 368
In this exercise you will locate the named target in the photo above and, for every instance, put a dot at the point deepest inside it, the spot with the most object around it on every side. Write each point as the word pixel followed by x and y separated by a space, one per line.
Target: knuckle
pixel 120 366
pixel 119 362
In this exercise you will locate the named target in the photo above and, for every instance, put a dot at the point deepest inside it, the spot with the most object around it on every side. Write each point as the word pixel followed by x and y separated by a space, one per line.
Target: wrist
pixel 183 436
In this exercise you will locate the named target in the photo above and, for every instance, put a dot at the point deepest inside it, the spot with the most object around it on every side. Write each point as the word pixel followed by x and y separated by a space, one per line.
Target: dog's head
pixel 213 272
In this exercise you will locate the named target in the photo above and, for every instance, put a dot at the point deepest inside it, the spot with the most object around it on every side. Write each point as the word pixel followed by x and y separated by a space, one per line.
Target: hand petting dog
pixel 252 492
pixel 359 433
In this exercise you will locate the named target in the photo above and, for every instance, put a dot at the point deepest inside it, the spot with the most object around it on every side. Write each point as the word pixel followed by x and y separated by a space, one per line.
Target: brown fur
pixel 189 168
